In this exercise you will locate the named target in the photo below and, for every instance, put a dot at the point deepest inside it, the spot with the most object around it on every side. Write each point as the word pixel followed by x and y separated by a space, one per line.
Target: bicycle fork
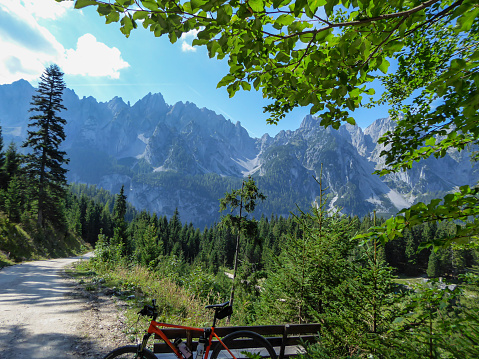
pixel 143 343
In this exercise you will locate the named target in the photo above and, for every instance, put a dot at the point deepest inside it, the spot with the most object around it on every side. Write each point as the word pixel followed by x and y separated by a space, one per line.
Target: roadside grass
pixel 137 286
pixel 5 261
pixel 409 281
pixel 26 242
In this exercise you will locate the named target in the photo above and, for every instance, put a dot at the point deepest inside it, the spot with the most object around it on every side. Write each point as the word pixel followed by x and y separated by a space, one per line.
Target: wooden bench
pixel 285 339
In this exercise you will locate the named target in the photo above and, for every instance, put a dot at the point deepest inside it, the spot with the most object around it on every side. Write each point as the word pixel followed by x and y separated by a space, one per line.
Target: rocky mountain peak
pixel 116 104
pixel 151 105
pixel 379 128
pixel 309 122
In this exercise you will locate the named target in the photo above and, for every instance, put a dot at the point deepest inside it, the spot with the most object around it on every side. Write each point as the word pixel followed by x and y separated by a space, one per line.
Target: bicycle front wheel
pixel 244 344
pixel 129 352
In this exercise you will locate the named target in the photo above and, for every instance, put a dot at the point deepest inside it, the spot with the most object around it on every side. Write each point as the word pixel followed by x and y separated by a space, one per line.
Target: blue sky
pixel 99 61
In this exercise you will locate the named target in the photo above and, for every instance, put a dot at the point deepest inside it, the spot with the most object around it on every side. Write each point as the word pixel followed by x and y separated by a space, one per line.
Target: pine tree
pixel 243 200
pixel 3 176
pixel 119 231
pixel 174 228
pixel 13 200
pixel 12 162
pixel 44 164
pixel 433 267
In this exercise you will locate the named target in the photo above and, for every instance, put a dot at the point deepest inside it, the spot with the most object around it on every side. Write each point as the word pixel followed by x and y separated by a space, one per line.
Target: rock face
pixel 184 157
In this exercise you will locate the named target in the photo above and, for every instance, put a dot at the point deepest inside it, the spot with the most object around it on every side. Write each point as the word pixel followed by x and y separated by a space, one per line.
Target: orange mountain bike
pixel 242 344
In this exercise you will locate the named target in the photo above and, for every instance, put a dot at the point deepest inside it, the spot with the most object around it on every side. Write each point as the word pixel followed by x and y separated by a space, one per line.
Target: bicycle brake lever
pixel 146 310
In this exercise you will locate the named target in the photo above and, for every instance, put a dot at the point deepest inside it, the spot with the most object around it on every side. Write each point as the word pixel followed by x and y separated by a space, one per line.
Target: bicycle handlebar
pixel 149 311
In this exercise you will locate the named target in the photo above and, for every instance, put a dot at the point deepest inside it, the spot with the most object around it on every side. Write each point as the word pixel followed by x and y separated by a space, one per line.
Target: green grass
pixel 5 261
pixel 25 242
pixel 137 286
pixel 409 280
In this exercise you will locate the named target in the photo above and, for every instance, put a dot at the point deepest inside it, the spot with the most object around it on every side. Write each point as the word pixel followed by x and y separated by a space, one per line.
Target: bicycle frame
pixel 154 328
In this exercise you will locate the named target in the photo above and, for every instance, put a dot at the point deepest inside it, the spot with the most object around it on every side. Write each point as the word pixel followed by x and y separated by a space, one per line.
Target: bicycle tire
pixel 238 343
pixel 129 352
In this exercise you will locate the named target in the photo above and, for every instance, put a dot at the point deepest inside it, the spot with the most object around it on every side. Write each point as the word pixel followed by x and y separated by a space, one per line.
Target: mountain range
pixel 181 156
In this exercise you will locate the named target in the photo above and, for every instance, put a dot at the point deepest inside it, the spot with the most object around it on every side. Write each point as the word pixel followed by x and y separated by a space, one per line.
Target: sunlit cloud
pixel 186 40
pixel 26 47
pixel 93 58
pixel 46 9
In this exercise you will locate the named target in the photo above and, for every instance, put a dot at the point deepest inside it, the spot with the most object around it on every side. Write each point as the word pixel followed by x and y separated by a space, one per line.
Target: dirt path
pixel 45 315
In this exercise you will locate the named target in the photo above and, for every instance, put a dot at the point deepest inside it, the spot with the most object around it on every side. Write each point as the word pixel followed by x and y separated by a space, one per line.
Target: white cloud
pixel 46 9
pixel 93 58
pixel 26 47
pixel 185 47
pixel 186 40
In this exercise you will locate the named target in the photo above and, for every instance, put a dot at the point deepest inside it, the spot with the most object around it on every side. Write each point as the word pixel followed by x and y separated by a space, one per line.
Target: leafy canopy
pixel 324 54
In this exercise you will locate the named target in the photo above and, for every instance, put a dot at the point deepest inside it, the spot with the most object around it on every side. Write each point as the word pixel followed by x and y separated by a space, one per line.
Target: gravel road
pixel 44 315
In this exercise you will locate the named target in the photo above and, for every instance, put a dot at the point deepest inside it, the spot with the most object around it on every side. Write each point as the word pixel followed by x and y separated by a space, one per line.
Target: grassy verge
pixel 408 281
pixel 5 259
pixel 25 242
pixel 137 286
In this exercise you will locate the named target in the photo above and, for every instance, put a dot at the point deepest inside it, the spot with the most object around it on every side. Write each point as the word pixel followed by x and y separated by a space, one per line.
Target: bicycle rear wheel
pixel 129 352
pixel 244 344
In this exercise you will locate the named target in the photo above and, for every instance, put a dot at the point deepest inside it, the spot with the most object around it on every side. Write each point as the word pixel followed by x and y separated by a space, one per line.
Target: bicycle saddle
pixel 217 306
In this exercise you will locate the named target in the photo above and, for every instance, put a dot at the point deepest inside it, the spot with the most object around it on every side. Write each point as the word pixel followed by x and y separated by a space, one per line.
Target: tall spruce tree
pixel 13 161
pixel 120 226
pixel 44 164
pixel 3 176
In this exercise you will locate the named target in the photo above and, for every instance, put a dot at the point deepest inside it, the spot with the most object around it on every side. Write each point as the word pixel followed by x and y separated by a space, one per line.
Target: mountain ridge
pixel 181 156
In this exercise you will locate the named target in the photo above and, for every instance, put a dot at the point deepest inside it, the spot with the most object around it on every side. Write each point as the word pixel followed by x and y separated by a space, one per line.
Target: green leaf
pixel 314 4
pixel 225 81
pixel 79 4
pixel 280 3
pixel 394 46
pixel 196 4
pixel 246 86
pixel 125 3
pixel 222 17
pixel 306 38
pixel 282 57
pixel 256 5
pixel 328 8
pixel 104 9
pixel 150 5
pixel 284 20
pixel 127 25
pixel 320 36
pixel 213 47
pixel 112 17
pixel 384 66
pixel 465 22
pixel 140 15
